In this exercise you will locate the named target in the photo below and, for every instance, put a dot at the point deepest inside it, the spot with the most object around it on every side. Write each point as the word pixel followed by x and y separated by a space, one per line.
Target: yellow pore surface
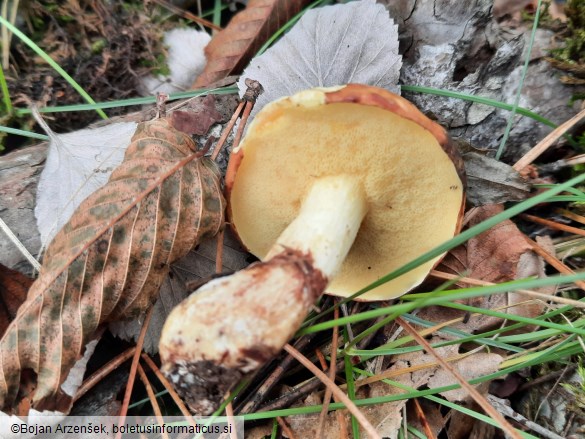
pixel 414 194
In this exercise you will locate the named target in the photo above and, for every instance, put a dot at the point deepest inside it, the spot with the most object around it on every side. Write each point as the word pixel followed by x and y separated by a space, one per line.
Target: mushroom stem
pixel 233 325
pixel 327 223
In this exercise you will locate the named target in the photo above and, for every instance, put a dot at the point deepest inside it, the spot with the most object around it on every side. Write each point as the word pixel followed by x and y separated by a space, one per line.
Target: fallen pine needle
pixel 553 261
pixel 99 375
pixel 553 224
pixel 477 397
pixel 133 369
pixel 337 392
pixel 152 397
pixel 423 420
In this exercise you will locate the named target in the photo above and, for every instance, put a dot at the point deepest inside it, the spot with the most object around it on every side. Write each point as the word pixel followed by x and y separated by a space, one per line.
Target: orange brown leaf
pixel 109 260
pixel 13 288
pixel 230 50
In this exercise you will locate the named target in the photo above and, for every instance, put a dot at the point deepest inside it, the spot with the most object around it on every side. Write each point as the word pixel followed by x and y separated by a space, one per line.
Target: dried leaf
pixel 230 50
pixel 334 45
pixel 199 264
pixel 500 254
pixel 490 181
pixel 13 289
pixel 77 165
pixel 110 259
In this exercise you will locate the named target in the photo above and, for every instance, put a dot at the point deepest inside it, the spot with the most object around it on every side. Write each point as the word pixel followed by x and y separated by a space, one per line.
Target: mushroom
pixel 331 188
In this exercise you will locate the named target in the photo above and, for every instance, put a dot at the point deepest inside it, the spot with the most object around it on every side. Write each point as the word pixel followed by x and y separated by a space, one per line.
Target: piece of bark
pixel 447 44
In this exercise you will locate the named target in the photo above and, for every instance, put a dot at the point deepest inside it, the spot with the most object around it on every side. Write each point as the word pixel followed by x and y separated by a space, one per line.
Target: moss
pixel 570 57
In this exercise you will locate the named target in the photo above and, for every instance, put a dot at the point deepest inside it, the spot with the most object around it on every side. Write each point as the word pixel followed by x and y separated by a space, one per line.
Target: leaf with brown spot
pixel 230 50
pixel 13 288
pixel 109 260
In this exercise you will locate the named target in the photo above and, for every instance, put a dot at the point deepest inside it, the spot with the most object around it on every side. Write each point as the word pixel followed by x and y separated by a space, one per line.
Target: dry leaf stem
pixel 423 420
pixel 227 130
pixel 337 392
pixel 477 397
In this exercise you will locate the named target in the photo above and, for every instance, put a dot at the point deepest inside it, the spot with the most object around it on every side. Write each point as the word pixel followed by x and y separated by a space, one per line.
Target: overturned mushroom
pixel 329 187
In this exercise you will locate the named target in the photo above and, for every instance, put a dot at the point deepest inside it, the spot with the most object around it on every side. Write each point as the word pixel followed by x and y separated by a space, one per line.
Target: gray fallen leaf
pixel 492 182
pixel 329 46
pixel 77 165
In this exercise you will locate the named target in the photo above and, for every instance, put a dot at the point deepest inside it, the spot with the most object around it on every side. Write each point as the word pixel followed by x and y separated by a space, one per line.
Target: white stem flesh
pixel 327 224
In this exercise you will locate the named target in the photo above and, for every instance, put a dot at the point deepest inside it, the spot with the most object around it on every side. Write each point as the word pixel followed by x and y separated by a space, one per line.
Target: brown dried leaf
pixel 500 254
pixel 109 260
pixel 13 288
pixel 230 50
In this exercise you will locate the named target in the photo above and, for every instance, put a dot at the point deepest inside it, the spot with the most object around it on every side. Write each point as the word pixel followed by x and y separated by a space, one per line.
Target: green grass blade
pixel 30 43
pixel 479 100
pixel 132 101
pixel 502 146
pixel 5 94
pixel 23 133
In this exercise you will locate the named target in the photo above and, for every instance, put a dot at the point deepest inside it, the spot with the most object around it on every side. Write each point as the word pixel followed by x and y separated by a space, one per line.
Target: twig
pixel 152 397
pixel 19 245
pixel 285 428
pixel 571 215
pixel 423 420
pixel 553 225
pixel 186 14
pixel 545 143
pixel 227 130
pixel 229 411
pixel 332 371
pixel 349 404
pixel 99 375
pixel 477 397
pixel 505 409
pixel 482 283
pixel 558 265
pixel 133 368
pixel 543 379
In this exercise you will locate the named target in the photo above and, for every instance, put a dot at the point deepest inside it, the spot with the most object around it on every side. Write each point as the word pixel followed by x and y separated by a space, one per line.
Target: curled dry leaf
pixel 230 50
pixel 110 259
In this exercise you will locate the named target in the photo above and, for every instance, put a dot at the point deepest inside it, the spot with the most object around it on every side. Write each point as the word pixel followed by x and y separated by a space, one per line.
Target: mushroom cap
pixel 412 174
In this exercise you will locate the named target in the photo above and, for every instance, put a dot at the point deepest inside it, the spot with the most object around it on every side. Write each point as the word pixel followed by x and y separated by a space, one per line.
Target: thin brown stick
pixel 545 143
pixel 243 121
pixel 332 372
pixel 321 358
pixel 482 283
pixel 553 224
pixel 477 397
pixel 423 420
pixel 151 397
pixel 285 428
pixel 571 215
pixel 176 398
pixel 551 260
pixel 219 251
pixel 133 369
pixel 186 14
pixel 349 404
pixel 227 130
pixel 105 370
